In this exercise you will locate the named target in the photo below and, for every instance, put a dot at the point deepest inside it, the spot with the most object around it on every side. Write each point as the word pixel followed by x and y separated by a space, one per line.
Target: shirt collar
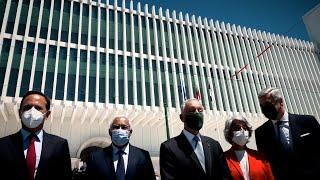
pixel 124 149
pixel 284 118
pixel 190 136
pixel 25 134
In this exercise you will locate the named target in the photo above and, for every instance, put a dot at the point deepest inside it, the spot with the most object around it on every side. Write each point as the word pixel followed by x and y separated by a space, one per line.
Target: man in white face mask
pixel 244 163
pixel 120 160
pixel 31 153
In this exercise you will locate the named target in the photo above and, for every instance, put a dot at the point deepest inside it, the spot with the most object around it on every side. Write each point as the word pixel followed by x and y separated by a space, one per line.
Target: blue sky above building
pixel 275 16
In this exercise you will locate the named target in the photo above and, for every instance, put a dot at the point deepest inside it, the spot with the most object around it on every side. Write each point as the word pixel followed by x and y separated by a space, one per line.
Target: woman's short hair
pixel 228 124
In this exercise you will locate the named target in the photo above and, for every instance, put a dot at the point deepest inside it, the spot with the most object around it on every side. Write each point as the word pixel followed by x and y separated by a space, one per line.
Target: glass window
pixel 14 69
pixel 3 6
pixel 103 24
pixel 23 17
pixel 121 79
pixel 61 73
pixel 155 83
pixel 72 74
pixel 45 19
pixel 84 25
pixel 75 22
pixel 82 75
pixel 111 29
pixel 128 32
pixel 34 18
pixel 120 30
pixel 65 21
pixel 55 20
pixel 111 79
pixel 139 86
pixel 102 78
pixel 92 76
pixel 130 81
pixel 94 25
pixel 27 69
pixel 39 67
pixel 12 16
pixel 50 71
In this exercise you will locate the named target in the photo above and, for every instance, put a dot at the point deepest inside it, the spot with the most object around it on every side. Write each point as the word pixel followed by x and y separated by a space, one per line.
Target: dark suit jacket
pixel 100 165
pixel 303 161
pixel 178 160
pixel 54 161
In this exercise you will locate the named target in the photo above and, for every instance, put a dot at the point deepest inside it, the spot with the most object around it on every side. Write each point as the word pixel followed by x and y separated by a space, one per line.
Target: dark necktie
pixel 31 157
pixel 120 173
pixel 279 131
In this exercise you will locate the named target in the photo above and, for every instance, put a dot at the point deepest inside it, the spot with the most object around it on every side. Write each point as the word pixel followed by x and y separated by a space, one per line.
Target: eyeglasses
pixel 122 126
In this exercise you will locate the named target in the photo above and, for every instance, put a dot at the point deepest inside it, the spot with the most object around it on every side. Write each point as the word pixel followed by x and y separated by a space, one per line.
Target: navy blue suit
pixel 54 161
pixel 303 161
pixel 178 160
pixel 100 165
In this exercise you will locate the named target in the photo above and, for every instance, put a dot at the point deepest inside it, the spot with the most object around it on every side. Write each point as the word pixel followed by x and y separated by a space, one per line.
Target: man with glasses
pixel 291 142
pixel 191 155
pixel 120 160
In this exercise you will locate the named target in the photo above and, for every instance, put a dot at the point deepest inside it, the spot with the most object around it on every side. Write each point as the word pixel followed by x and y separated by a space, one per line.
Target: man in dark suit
pixel 191 155
pixel 120 160
pixel 31 153
pixel 291 142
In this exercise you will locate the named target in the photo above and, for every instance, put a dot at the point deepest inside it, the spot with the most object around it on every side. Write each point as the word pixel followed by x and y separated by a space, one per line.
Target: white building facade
pixel 97 60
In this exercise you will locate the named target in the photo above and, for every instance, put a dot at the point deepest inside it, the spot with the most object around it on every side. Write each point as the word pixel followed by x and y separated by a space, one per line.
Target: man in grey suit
pixel 191 155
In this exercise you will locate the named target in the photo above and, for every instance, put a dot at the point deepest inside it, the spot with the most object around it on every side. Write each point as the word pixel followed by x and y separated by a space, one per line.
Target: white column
pixel 44 74
pixel 185 55
pixel 116 61
pixel 146 13
pixel 76 90
pixel 156 46
pixel 35 52
pixel 173 67
pixel 125 63
pixel 66 77
pixel 24 47
pixel 11 51
pixel 57 54
pixel 107 54
pixel 134 74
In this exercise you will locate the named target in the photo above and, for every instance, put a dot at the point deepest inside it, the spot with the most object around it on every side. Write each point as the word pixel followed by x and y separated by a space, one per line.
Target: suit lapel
pixel 109 161
pixel 294 130
pixel 132 161
pixel 207 154
pixel 18 153
pixel 46 151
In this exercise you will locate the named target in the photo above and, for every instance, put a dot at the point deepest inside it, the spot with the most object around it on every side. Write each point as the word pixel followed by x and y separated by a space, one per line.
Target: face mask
pixel 240 137
pixel 120 137
pixel 32 118
pixel 194 121
pixel 269 111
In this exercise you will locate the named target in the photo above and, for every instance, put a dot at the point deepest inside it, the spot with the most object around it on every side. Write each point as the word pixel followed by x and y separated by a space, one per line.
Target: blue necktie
pixel 120 172
pixel 199 152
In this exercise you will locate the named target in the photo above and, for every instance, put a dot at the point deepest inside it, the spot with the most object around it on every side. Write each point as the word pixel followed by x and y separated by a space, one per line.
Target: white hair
pixel 117 117
pixel 183 105
pixel 228 124
pixel 274 92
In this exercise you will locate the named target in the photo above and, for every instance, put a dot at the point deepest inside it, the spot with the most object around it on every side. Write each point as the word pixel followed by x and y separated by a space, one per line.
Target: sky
pixel 282 17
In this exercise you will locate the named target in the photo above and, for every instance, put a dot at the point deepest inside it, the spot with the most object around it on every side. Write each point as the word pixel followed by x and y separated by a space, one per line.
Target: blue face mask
pixel 120 137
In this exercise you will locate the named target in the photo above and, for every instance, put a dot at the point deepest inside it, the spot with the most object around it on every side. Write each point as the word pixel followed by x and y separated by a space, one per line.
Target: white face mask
pixel 240 137
pixel 32 118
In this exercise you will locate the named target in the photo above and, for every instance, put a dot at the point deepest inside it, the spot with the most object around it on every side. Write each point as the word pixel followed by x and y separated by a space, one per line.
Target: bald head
pixel 120 121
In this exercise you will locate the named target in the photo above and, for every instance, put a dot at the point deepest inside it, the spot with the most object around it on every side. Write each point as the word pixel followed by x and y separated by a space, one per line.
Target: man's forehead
pixel 34 98
pixel 192 103
pixel 121 120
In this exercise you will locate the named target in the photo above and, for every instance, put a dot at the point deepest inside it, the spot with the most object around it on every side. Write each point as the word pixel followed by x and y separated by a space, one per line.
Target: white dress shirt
pixel 37 145
pixel 242 157
pixel 115 156
pixel 285 135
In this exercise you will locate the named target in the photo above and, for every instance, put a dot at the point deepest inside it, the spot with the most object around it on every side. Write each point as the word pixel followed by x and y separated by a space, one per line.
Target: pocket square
pixel 305 134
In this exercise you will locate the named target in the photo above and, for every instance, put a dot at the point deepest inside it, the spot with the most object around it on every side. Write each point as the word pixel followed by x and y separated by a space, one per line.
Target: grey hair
pixel 274 92
pixel 111 122
pixel 228 124
pixel 183 105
